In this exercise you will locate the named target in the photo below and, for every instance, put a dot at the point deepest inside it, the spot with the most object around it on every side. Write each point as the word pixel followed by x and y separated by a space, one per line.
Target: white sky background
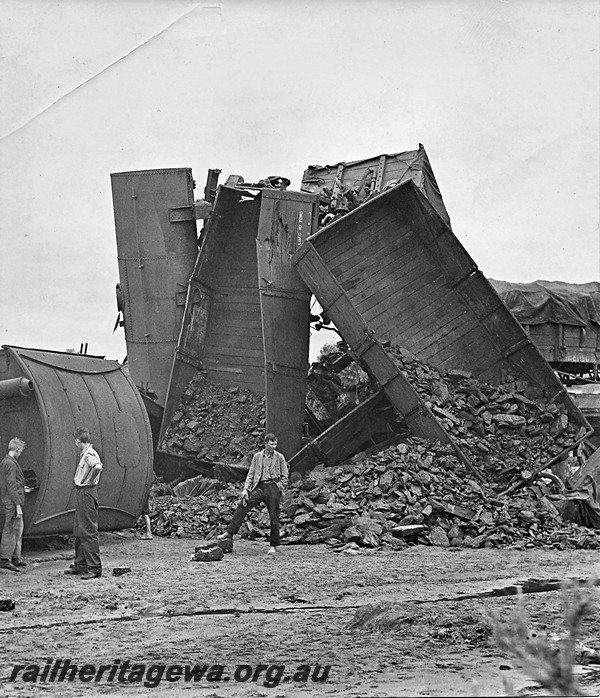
pixel 504 94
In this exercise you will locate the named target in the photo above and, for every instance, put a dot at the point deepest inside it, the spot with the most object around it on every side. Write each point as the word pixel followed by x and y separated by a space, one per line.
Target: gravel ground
pixel 306 605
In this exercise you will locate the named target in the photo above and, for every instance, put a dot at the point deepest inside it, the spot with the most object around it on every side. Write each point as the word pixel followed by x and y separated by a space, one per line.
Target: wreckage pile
pixel 414 491
pixel 508 431
pixel 216 422
pixel 410 493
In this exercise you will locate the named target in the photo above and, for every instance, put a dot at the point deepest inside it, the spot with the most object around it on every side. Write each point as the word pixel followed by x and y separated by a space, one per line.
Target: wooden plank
pixel 234 331
pixel 384 298
pixel 543 333
pixel 336 243
pixel 393 272
pixel 367 247
pixel 341 440
pixel 441 309
pixel 364 246
pixel 405 298
pixel 423 341
pixel 413 206
pixel 239 353
pixel 316 276
pixel 224 292
pixel 241 320
pixel 254 382
pixel 406 315
pixel 459 344
pixel 236 353
pixel 396 270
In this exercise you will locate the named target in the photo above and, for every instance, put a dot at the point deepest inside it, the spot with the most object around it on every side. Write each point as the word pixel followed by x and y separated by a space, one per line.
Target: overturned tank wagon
pixel 157 246
pixel 392 271
pixel 44 396
pixel 247 312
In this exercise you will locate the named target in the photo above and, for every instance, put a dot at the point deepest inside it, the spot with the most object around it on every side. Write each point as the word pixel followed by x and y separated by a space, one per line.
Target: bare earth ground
pixel 293 609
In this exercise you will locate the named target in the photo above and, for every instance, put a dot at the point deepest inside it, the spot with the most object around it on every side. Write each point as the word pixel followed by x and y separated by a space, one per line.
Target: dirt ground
pixel 296 608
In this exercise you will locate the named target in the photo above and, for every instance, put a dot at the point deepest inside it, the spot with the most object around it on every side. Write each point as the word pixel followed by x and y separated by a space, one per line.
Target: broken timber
pixel 344 438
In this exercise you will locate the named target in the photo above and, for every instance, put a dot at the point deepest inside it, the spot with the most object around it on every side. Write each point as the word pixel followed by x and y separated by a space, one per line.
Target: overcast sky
pixel 504 94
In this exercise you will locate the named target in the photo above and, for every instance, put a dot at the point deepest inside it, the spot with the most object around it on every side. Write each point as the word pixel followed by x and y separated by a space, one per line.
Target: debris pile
pixel 413 492
pixel 507 430
pixel 332 393
pixel 342 198
pixel 215 422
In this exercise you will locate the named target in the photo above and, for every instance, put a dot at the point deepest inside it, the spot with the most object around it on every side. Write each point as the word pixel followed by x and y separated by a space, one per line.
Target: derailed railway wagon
pixel 343 186
pixel 391 270
pixel 44 396
pixel 247 311
pixel 157 247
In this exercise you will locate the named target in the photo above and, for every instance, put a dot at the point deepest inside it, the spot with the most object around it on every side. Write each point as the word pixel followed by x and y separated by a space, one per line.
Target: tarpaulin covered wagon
pixel 562 320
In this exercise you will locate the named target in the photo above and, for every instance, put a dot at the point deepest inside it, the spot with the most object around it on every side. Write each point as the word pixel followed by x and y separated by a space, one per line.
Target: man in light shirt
pixel 87 563
pixel 265 482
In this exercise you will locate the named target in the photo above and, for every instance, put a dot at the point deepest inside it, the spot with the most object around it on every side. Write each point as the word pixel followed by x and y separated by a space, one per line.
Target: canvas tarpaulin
pixel 556 302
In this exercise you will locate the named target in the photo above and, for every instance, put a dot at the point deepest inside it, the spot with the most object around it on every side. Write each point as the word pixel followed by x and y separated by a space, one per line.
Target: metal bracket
pixel 332 302
pixel 366 344
pixel 285 369
pixel 178 214
pixel 521 344
pixel 379 178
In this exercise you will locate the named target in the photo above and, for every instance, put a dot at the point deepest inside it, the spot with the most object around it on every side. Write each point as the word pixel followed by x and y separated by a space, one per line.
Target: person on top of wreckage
pixel 265 482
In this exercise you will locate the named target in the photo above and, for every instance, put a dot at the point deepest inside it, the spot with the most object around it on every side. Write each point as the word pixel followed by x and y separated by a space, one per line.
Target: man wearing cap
pixel 12 497
pixel 87 563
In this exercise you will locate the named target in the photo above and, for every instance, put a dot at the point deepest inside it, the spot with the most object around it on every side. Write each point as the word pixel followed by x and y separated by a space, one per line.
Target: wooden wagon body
pixel 393 271
pixel 246 317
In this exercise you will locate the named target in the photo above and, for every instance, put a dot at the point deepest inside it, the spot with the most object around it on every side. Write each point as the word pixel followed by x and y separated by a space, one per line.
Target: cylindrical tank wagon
pixel 157 247
pixel 44 396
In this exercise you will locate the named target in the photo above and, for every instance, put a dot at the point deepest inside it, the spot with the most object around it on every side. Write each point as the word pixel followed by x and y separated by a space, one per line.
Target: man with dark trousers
pixel 12 497
pixel 265 482
pixel 87 563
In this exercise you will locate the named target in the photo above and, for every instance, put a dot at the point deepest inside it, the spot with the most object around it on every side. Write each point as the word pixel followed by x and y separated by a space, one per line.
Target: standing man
pixel 12 496
pixel 87 563
pixel 265 482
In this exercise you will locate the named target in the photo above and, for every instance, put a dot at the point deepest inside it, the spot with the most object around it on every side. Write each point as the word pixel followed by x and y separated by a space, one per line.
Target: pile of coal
pixel 216 422
pixel 415 492
pixel 508 430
